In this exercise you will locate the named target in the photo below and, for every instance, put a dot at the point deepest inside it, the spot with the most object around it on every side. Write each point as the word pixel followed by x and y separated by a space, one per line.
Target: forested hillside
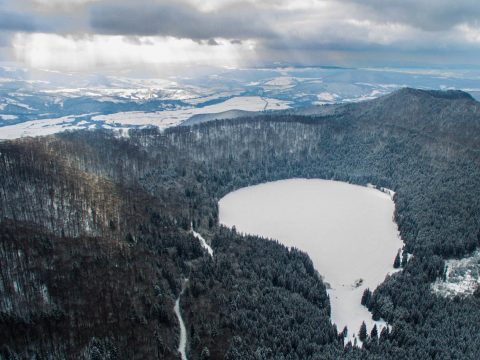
pixel 95 235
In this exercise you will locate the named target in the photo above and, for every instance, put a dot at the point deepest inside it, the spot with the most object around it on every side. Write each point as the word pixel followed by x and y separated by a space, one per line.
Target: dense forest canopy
pixel 95 235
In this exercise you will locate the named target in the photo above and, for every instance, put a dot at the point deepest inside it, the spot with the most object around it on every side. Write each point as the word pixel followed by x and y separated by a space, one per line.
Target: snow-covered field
pixel 39 127
pixel 168 118
pixel 347 230
pixel 8 117
pixel 462 277
pixel 125 120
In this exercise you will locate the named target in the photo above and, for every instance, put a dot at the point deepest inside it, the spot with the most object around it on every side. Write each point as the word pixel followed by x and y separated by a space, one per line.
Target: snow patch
pixel 284 82
pixel 168 118
pixel 462 277
pixel 8 117
pixel 327 97
pixel 40 127
pixel 203 243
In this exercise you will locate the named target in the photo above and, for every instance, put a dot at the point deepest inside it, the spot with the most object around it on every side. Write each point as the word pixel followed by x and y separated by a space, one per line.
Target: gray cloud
pixel 284 30
pixel 212 42
pixel 428 15
pixel 178 19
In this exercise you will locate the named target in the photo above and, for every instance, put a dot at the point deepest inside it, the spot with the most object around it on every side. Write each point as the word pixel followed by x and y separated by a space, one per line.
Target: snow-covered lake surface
pixel 347 230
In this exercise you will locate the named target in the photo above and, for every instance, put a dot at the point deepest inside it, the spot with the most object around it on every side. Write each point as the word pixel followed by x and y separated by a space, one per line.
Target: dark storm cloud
pixel 232 20
pixel 177 19
pixel 243 19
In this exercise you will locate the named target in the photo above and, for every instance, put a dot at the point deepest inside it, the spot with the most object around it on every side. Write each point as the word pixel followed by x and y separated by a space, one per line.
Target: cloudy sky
pixel 90 35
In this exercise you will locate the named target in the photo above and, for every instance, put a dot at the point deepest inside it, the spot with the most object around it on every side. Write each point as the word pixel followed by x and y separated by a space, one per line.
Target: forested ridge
pixel 95 235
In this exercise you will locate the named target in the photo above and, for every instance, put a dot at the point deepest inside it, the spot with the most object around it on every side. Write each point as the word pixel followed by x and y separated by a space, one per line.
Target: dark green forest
pixel 95 236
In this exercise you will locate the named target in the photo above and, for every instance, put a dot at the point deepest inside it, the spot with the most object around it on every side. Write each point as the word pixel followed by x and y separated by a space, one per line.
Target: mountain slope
pixel 451 115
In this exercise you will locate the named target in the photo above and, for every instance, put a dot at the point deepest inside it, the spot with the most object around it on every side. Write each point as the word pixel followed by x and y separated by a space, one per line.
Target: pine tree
pixel 374 333
pixel 404 258
pixel 362 335
pixel 396 262
pixel 384 334
pixel 366 297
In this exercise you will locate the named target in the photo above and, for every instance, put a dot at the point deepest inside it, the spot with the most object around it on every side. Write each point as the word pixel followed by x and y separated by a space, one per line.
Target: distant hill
pixel 454 115
pixel 42 102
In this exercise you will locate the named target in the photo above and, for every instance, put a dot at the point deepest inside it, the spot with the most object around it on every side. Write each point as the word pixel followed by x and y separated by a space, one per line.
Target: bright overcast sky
pixel 88 35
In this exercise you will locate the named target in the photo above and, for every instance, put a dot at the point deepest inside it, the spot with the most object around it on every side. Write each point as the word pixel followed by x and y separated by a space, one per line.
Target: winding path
pixel 182 346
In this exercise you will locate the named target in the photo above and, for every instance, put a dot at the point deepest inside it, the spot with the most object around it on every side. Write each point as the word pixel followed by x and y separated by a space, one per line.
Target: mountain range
pixel 46 102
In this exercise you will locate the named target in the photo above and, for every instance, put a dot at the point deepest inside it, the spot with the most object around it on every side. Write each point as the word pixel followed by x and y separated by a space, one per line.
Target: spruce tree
pixel 396 262
pixel 366 297
pixel 404 258
pixel 362 335
pixel 384 334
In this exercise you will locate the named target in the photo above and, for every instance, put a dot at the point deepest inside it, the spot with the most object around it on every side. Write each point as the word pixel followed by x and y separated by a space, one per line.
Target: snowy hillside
pixel 43 102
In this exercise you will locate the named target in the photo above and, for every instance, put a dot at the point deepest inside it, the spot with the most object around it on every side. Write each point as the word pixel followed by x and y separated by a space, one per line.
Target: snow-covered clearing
pixel 462 277
pixel 327 97
pixel 182 345
pixel 39 127
pixel 347 230
pixel 8 117
pixel 167 118
pixel 282 82
pixel 123 120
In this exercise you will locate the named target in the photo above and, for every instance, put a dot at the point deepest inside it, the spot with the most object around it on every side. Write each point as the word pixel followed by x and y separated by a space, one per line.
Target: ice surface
pixel 347 230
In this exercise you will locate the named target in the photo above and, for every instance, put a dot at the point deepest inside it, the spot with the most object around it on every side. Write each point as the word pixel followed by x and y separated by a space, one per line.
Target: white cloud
pixel 472 34
pixel 53 51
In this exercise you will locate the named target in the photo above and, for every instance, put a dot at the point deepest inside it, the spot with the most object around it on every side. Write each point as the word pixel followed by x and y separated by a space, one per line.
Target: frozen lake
pixel 347 230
